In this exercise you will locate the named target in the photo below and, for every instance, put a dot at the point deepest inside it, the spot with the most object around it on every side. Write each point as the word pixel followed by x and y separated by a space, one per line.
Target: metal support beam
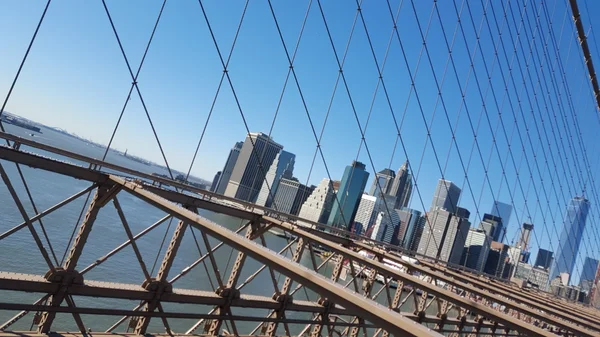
pixel 159 284
pixel 511 322
pixel 370 310
pixel 67 275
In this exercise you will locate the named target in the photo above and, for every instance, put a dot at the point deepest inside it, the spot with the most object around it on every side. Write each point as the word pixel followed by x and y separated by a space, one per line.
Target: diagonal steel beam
pixel 371 311
pixel 436 291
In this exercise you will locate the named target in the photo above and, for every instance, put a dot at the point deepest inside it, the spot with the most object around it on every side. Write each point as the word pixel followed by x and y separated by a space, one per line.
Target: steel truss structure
pixel 446 301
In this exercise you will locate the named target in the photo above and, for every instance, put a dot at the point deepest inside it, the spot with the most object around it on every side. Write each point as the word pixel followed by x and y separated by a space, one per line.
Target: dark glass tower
pixel 348 196
pixel 570 239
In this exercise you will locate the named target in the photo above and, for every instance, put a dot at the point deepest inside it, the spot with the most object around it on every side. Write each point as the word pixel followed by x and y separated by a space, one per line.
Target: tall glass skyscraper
pixel 401 187
pixel 255 159
pixel 282 167
pixel 503 211
pixel 348 196
pixel 570 239
pixel 446 196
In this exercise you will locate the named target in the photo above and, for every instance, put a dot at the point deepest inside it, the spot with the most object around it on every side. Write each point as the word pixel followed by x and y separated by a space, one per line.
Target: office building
pixel 317 206
pixel 476 249
pixel 456 235
pixel 345 204
pixel 282 167
pixel 213 185
pixel 544 259
pixel 255 159
pixel 497 263
pixel 415 239
pixel 570 239
pixel 492 225
pixel 382 184
pixel 446 196
pixel 391 224
pixel 410 220
pixel 228 168
pixel 366 213
pixel 526 230
pixel 536 277
pixel 290 195
pixel 401 187
pixel 588 273
pixel 444 235
pixel 503 211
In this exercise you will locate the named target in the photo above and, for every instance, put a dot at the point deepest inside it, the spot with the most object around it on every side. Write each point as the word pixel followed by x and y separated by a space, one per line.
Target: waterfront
pixel 20 255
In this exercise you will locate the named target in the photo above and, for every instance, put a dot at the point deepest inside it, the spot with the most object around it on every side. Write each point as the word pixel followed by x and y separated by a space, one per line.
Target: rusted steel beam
pixel 159 284
pixel 490 313
pixel 66 276
pixel 522 297
pixel 370 310
pixel 121 312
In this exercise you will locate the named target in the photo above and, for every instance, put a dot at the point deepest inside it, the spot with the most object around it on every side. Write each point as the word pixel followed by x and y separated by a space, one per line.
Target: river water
pixel 18 252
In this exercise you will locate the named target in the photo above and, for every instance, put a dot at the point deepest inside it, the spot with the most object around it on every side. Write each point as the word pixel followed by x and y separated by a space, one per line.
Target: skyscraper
pixel 503 211
pixel 544 259
pixel 492 225
pixel 382 184
pixel 588 273
pixel 570 239
pixel 215 181
pixel 366 213
pixel 348 196
pixel 317 206
pixel 282 167
pixel 444 235
pixel 228 168
pixel 476 250
pixel 290 195
pixel 410 219
pixel 446 196
pixel 255 158
pixel 401 187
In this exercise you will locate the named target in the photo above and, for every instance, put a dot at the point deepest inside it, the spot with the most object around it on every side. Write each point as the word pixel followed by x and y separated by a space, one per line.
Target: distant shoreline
pixel 19 121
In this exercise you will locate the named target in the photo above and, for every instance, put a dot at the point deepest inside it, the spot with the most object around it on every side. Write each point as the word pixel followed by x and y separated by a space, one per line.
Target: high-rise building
pixel 544 259
pixel 570 239
pixel 588 273
pixel 492 225
pixel 536 276
pixel 282 167
pixel 290 195
pixel 444 235
pixel 215 181
pixel 446 196
pixel 497 260
pixel 410 220
pixel 456 235
pixel 387 226
pixel 503 211
pixel 255 158
pixel 317 206
pixel 382 184
pixel 228 168
pixel 525 236
pixel 366 213
pixel 401 187
pixel 348 196
pixel 415 239
pixel 476 249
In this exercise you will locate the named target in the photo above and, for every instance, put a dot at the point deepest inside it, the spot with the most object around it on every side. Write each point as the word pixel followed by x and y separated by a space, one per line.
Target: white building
pixel 318 205
pixel 366 213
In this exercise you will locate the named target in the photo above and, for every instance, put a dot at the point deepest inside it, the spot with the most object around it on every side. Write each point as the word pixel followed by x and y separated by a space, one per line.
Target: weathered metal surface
pixel 521 307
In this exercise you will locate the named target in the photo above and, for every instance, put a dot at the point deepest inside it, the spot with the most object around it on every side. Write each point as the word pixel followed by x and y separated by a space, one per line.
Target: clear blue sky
pixel 76 78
